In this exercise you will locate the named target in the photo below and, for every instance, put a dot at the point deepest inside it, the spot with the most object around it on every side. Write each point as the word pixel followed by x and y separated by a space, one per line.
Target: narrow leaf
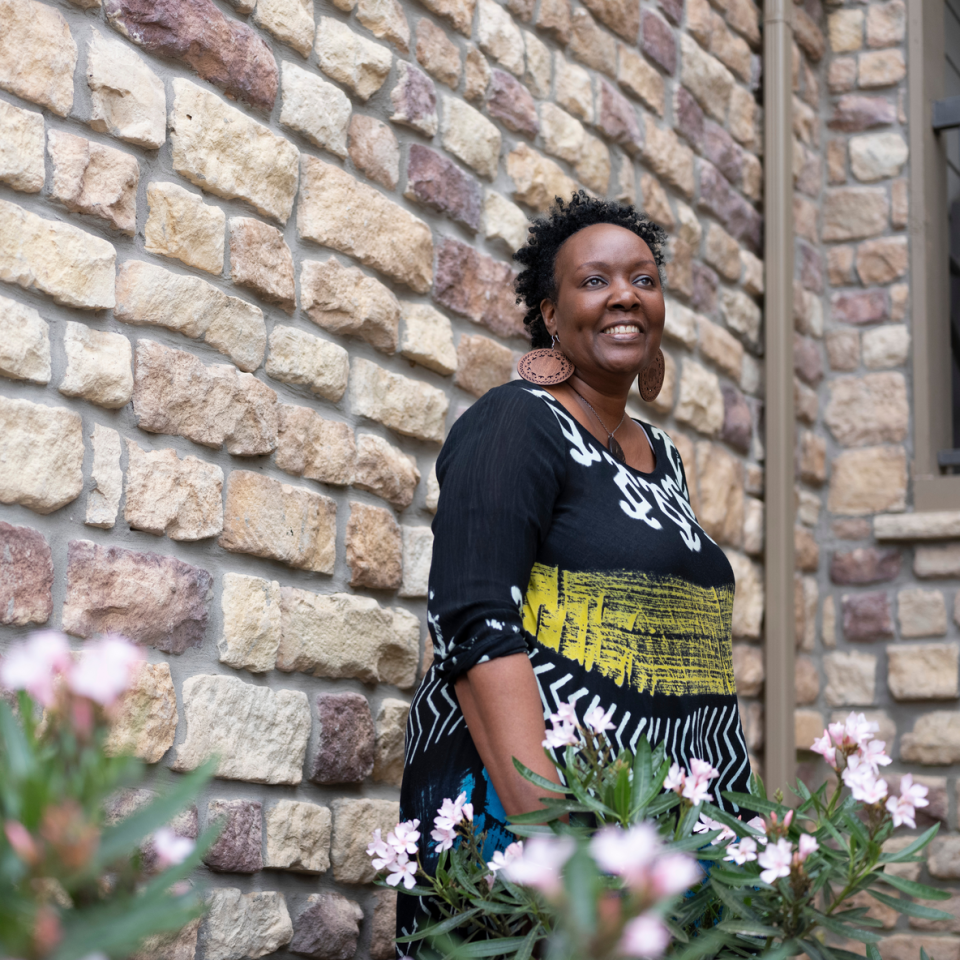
pixel 907 852
pixel 536 779
pixel 910 908
pixel 915 889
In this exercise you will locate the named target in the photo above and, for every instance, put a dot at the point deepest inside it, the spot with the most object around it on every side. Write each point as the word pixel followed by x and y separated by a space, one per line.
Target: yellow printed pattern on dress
pixel 656 634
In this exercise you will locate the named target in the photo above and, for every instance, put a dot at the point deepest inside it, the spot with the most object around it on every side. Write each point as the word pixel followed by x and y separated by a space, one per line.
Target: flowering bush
pixel 608 869
pixel 71 886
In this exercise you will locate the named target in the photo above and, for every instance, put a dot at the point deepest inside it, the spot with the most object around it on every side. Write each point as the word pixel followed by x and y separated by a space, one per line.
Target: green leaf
pixel 642 773
pixel 874 954
pixel 844 929
pixel 757 804
pixel 901 855
pixel 536 779
pixel 756 786
pixel 923 954
pixel 812 949
pixel 748 928
pixel 733 903
pixel 14 742
pixel 915 889
pixel 732 879
pixel 622 792
pixel 530 941
pixel 552 812
pixel 490 948
pixel 910 908
pixel 582 882
pixel 444 926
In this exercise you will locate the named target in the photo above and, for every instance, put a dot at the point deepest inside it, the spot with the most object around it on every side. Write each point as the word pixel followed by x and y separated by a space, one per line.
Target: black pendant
pixel 616 451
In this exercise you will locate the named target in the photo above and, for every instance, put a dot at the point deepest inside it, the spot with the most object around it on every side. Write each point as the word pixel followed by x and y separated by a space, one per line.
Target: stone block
pixel 869 409
pixel 181 225
pixel 374 552
pixel 806 681
pixel 385 20
pixel 409 407
pixel 924 525
pixel 41 455
pixel 860 306
pixel 261 260
pixel 72 266
pixel 851 679
pixel 26 576
pixel 748 670
pixel 843 349
pixel 538 73
pixel 869 480
pixel 882 68
pixel 221 49
pixel 21 145
pixel 877 156
pixel 470 136
pixel 414 100
pixel 887 346
pixel 720 347
pixel 737 417
pixel 258 734
pixel 681 324
pixel 239 847
pixel 343 55
pixel 499 37
pixel 458 12
pixel 617 118
pixel 385 471
pixel 937 562
pixel 482 364
pixel 845 30
pixel 345 636
pixel 374 150
pixel 854 213
pixel 591 45
pixel 175 393
pixel 353 823
pixel 721 493
pixel 882 261
pixel 923 671
pixel 328 929
pixel 510 101
pixel 701 402
pixel 181 945
pixel 103 500
pixel 298 358
pixel 537 180
pixel 748 599
pixel 391 723
pixel 155 600
pixel 706 78
pixel 437 182
pixel 573 88
pixel 417 555
pixel 439 56
pixel 309 446
pixel 298 837
pixel 339 212
pixel 808 726
pixel 24 343
pixel 638 78
pixel 865 565
pixel 934 740
pixel 476 74
pixel 921 613
pixel 867 616
pixel 432 498
pixel 427 336
pixel 853 113
pixel 251 623
pixel 805 550
pixel 317 109
pixel 98 366
pixel 656 205
pixel 144 721
pixel 886 24
pixel 741 315
pixel 346 739
pixel 244 925
pixel 167 495
pixel 266 518
pixel 657 41
pixel 221 150
pixel 553 18
pixel 290 21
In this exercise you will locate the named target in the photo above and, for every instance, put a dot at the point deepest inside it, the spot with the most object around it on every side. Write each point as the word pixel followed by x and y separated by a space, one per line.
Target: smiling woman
pixel 568 564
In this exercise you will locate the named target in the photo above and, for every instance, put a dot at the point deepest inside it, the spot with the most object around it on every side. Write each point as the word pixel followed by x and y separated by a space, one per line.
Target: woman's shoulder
pixel 516 398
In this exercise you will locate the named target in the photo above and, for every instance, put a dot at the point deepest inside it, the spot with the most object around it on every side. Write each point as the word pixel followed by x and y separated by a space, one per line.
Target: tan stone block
pixel 433 490
pixel 181 225
pixel 72 266
pixel 437 55
pixel 591 45
pixel 21 145
pixel 538 72
pixel 385 20
pixel 743 120
pixel 563 135
pixel 867 481
pixel 417 555
pixel 476 76
pixel 37 54
pixel 748 599
pixel 251 624
pixel 807 727
pixel 720 347
pixel 943 858
pixel 181 945
pixel 723 253
pixel 741 315
pixel 248 925
pixel 843 349
pixel 374 150
pixel 309 446
pixel 806 682
pixel 877 156
pixel 298 837
pixel 167 495
pixel 386 471
pixel 881 261
pixel 854 213
pixel 41 455
pixel 637 77
pixel 504 220
pixel 274 520
pixel 221 150
pixel 701 402
pixel 359 64
pixel 127 97
pixel 573 88
pixel 884 68
pixel 845 30
pixel 828 629
pixel 261 260
pixel 886 346
pixel 669 158
pixel 921 613
pixel 706 78
pixel 409 407
pixel 344 636
pixel 98 366
pixel 149 295
pixel 721 493
pixel 753 526
pixel 315 108
pixel 339 212
pixel 458 12
pixel 103 500
pixel 537 180
pixel 374 551
pixel 345 301
pixel 851 679
pixel 145 722
pixel 937 562
pixel 868 409
pixel 427 336
pixel 482 364
pixel 290 21
pixel 655 203
pixel 391 721
pixel 886 24
pixel 681 324
pixel 259 735
pixel 922 671
pixel 298 358
pixel 470 136
pixel 934 740
pixel 553 17
pixel 24 343
pixel 353 823
pixel 748 670
pixel 923 525
pixel 499 37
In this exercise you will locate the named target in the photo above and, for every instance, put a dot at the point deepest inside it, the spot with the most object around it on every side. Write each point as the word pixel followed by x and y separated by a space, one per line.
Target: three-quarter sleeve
pixel 500 472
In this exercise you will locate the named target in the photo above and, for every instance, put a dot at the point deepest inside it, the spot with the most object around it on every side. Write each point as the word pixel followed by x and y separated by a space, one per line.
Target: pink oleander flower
pixel 826 748
pixel 105 669
pixel 758 824
pixel 566 713
pixel 501 858
pixel 381 853
pixel 452 810
pixel 873 753
pixel 598 721
pixel 626 853
pixel 24 846
pixel 34 665
pixel 743 851
pixel 864 786
pixel 673 874
pixel 541 863
pixel 404 837
pixel 902 808
pixel 706 824
pixel 444 832
pixel 171 848
pixel 805 847
pixel 563 735
pixel 644 936
pixel 402 869
pixel 695 787
pixel 676 777
pixel 776 860
pixel 855 731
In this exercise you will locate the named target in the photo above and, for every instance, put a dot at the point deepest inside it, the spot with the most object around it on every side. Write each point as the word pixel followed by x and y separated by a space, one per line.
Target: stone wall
pixel 255 259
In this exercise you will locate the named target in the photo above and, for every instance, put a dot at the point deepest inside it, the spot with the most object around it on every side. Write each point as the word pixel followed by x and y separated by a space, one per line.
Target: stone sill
pixel 932 525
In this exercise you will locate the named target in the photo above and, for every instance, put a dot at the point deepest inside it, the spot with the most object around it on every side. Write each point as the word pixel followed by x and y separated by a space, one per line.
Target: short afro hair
pixel 538 256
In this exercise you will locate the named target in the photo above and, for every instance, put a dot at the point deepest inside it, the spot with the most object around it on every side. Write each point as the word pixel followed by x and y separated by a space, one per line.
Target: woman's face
pixel 609 310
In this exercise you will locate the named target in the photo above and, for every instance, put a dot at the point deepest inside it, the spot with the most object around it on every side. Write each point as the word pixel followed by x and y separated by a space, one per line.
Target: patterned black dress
pixel 546 545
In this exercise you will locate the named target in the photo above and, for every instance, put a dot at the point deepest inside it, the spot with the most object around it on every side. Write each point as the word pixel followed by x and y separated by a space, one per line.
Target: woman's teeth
pixel 623 328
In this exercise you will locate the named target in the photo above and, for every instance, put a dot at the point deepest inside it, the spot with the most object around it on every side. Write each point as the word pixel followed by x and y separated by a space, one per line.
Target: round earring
pixel 545 367
pixel 650 381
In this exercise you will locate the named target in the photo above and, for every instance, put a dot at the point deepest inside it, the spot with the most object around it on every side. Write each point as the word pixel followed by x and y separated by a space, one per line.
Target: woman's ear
pixel 548 310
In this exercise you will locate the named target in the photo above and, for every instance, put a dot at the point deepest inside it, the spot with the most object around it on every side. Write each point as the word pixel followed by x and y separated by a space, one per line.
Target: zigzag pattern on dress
pixel 705 734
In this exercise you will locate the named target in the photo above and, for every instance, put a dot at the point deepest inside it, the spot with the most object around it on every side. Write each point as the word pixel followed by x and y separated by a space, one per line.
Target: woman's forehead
pixel 607 242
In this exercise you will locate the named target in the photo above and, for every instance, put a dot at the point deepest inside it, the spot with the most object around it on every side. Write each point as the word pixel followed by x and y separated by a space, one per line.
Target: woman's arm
pixel 501 704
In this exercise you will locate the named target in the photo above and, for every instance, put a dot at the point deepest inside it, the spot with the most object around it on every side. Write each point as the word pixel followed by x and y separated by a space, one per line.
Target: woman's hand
pixel 500 700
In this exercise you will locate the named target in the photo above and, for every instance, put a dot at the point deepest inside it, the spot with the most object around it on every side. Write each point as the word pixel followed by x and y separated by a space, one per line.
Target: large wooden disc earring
pixel 545 367
pixel 650 381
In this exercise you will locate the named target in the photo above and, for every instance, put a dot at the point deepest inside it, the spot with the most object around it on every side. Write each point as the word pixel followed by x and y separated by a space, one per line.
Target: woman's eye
pixel 593 281
pixel 644 281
